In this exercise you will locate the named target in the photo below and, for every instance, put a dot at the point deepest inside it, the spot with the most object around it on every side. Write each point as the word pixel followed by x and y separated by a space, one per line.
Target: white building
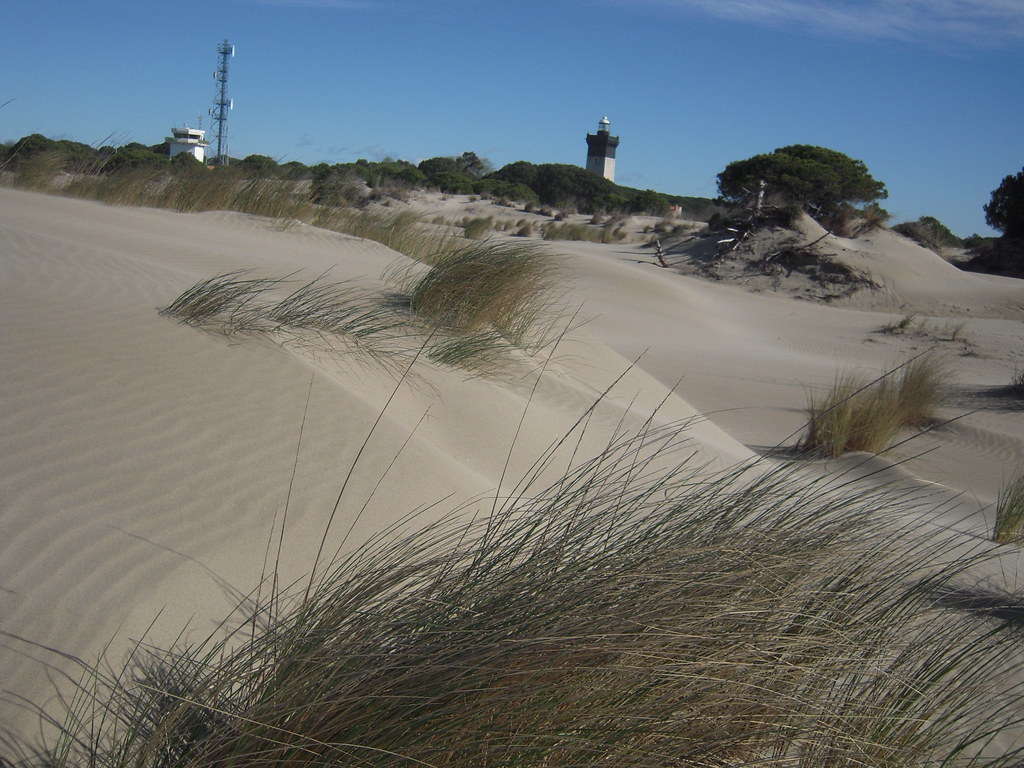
pixel 191 140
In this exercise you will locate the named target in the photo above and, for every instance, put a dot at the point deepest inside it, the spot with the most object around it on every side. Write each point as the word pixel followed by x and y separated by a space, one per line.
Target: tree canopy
pixel 816 178
pixel 1005 211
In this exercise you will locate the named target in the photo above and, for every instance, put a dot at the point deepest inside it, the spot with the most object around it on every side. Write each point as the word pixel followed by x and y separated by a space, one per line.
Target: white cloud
pixel 969 22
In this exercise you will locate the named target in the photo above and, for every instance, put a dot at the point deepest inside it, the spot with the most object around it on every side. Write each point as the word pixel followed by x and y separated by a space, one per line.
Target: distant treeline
pixel 567 187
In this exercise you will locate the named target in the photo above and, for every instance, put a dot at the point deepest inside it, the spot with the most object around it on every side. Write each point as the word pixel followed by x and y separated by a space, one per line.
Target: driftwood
pixel 766 262
pixel 659 253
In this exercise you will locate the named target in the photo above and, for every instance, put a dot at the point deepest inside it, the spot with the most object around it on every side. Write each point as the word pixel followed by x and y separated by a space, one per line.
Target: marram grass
pixel 856 414
pixel 632 613
pixel 1009 525
pixel 471 309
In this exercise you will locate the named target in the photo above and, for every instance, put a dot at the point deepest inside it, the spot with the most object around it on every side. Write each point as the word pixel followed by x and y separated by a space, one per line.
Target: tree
pixel 1005 211
pixel 473 166
pixel 817 179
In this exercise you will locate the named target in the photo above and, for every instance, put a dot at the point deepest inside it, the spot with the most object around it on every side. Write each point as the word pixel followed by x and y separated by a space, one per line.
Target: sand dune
pixel 135 448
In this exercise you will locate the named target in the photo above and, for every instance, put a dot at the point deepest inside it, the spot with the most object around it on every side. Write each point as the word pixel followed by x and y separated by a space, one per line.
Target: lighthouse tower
pixel 601 150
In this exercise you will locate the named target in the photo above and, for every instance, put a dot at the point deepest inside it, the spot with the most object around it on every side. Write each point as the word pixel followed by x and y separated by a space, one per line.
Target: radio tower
pixel 221 103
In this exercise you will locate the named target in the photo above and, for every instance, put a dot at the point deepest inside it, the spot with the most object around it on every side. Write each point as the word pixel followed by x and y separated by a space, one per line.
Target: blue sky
pixel 929 93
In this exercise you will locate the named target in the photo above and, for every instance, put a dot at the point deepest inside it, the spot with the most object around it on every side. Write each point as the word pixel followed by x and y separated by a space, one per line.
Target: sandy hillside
pixel 143 461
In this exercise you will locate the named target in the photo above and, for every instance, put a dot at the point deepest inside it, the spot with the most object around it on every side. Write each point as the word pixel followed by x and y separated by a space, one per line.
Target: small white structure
pixel 191 140
pixel 601 150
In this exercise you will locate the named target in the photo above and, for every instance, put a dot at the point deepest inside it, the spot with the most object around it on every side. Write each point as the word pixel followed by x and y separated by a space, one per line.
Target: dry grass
pixel 631 614
pixel 197 189
pixel 227 189
pixel 400 231
pixel 1009 525
pixel 856 414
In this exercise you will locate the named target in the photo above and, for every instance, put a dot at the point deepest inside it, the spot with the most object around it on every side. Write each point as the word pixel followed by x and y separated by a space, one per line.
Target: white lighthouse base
pixel 602 166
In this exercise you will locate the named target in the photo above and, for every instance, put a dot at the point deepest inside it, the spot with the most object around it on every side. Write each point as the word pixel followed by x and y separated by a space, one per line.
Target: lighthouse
pixel 601 150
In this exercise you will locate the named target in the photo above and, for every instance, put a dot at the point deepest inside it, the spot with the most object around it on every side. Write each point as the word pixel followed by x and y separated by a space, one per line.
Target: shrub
pixel 134 155
pixel 70 156
pixel 453 183
pixel 872 217
pixel 929 232
pixel 1009 525
pixel 259 166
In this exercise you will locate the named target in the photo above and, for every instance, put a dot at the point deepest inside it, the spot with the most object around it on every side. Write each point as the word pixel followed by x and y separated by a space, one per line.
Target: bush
pixel 872 217
pixel 568 186
pixel 453 183
pixel 70 156
pixel 1001 255
pixel 929 232
pixel 132 156
pixel 258 166
pixel 818 179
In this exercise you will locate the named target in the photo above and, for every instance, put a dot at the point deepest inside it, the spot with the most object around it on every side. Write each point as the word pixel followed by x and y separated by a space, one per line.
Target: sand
pixel 143 461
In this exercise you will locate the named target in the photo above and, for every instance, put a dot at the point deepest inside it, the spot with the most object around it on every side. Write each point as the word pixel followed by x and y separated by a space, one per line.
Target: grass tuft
pixel 477 228
pixel 314 313
pixel 920 386
pixel 901 326
pixel 505 286
pixel 1017 382
pixel 1009 525
pixel 858 415
pixel 472 307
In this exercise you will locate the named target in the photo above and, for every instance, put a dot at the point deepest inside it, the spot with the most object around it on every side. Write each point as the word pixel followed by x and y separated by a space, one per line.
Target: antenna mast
pixel 221 103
